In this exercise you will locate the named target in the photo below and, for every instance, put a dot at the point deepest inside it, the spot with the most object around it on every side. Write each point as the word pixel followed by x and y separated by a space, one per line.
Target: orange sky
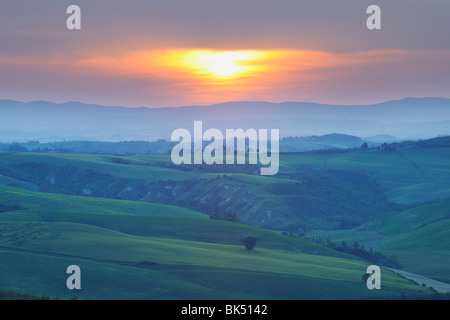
pixel 200 52
pixel 204 76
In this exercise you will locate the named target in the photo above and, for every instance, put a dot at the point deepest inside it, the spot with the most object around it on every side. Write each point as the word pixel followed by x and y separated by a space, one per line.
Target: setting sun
pixel 221 65
pixel 224 64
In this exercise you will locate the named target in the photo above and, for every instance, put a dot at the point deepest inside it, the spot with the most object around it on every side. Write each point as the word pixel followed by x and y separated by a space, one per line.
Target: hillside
pixel 417 237
pixel 409 174
pixel 47 202
pixel 336 189
pixel 141 219
pixel 429 238
pixel 415 218
pixel 224 192
pixel 171 258
pixel 420 240
pixel 182 227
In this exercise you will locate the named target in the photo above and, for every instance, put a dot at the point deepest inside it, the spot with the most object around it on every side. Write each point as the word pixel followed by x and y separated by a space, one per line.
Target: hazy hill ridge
pixel 410 118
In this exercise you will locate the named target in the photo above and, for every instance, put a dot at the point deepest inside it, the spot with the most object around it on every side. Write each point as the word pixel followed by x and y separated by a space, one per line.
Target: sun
pixel 221 65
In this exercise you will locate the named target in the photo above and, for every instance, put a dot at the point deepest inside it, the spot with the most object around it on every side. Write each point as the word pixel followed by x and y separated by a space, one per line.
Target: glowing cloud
pixel 220 65
pixel 174 77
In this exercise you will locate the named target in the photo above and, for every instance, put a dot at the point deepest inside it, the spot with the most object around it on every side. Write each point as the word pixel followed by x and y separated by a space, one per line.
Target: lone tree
pixel 250 242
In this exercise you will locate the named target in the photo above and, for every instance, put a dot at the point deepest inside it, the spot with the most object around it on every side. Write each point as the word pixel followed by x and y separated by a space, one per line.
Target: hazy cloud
pixel 328 55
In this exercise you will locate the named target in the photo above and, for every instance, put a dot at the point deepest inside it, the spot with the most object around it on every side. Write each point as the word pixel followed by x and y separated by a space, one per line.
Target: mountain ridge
pixel 409 118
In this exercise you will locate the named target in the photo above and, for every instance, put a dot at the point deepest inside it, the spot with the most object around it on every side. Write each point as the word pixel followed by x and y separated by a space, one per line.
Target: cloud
pixel 322 25
pixel 137 52
pixel 174 77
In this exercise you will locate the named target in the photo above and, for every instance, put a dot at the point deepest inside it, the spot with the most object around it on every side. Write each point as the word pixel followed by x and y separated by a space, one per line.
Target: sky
pixel 166 53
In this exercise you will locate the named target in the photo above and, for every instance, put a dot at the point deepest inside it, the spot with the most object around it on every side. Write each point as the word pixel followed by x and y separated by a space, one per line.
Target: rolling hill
pixel 150 221
pixel 162 257
pixel 417 237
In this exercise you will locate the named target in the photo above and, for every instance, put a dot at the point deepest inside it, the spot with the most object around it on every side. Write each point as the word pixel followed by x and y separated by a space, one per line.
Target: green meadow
pixel 418 237
pixel 152 256
pixel 141 228
pixel 412 175
pixel 191 262
pixel 45 202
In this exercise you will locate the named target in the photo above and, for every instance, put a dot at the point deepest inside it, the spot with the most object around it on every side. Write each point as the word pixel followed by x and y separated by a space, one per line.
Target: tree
pixel 16 148
pixel 250 242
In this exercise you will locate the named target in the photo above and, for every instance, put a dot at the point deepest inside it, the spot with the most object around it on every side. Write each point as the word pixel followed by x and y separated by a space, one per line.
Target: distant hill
pixel 96 147
pixel 162 146
pixel 439 142
pixel 327 141
pixel 383 138
pixel 411 118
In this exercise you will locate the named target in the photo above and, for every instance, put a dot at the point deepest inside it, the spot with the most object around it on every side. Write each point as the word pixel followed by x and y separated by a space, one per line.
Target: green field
pixel 139 227
pixel 104 164
pixel 430 238
pixel 424 250
pixel 415 218
pixel 49 202
pixel 412 175
pixel 166 257
pixel 418 237
pixel 288 201
pixel 231 268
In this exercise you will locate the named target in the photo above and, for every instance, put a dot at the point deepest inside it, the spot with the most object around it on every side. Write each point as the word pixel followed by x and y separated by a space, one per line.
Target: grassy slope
pixel 412 175
pixel 181 228
pixel 4 180
pixel 105 164
pixel 38 273
pixel 415 218
pixel 144 219
pixel 417 236
pixel 430 238
pixel 263 207
pixel 47 201
pixel 215 266
pixel 423 251
pixel 431 265
pixel 197 257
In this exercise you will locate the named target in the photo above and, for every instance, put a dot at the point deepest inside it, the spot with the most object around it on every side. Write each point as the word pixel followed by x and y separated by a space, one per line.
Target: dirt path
pixel 441 287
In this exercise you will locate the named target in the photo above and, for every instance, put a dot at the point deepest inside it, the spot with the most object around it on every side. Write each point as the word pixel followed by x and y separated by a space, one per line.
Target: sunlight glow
pixel 221 65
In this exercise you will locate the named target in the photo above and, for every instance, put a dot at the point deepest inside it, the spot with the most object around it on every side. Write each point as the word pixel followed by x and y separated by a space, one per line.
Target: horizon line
pixel 221 103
